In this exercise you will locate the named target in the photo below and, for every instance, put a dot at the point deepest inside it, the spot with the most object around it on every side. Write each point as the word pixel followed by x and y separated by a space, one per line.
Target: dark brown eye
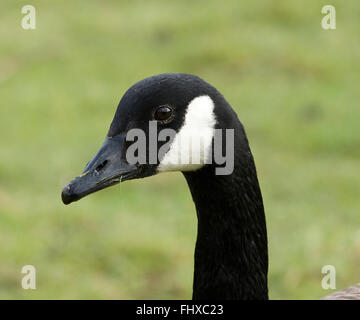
pixel 163 113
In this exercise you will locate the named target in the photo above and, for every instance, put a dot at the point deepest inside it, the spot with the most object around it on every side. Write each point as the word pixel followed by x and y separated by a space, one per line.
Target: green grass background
pixel 294 86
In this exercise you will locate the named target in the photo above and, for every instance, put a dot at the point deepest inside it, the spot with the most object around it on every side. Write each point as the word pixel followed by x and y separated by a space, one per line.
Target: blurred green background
pixel 294 86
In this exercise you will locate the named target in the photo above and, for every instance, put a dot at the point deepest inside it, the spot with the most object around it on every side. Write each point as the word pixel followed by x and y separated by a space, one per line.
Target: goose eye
pixel 163 113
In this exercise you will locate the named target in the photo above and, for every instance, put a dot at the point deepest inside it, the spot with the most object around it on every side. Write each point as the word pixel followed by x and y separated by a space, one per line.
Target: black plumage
pixel 231 257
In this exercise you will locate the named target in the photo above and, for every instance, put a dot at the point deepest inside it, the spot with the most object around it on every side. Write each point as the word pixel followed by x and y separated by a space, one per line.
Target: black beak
pixel 107 168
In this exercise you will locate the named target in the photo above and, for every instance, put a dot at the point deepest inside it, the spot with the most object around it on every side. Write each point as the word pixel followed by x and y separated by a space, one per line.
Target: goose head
pixel 162 123
pixel 178 122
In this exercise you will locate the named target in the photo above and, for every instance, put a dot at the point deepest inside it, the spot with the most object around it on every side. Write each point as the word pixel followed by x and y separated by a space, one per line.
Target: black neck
pixel 231 258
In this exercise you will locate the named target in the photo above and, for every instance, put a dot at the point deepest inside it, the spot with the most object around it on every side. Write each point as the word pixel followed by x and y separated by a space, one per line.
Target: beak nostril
pixel 101 165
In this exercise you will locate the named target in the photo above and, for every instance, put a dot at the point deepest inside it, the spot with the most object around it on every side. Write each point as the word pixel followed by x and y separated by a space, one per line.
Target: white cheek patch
pixel 192 145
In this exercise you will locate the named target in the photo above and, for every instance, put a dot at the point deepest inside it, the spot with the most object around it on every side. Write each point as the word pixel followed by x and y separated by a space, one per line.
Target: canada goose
pixel 231 255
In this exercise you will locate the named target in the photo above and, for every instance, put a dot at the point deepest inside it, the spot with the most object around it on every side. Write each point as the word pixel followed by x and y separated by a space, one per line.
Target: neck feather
pixel 231 258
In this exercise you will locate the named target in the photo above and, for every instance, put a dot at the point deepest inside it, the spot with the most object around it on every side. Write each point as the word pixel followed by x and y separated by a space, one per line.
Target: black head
pixel 183 104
